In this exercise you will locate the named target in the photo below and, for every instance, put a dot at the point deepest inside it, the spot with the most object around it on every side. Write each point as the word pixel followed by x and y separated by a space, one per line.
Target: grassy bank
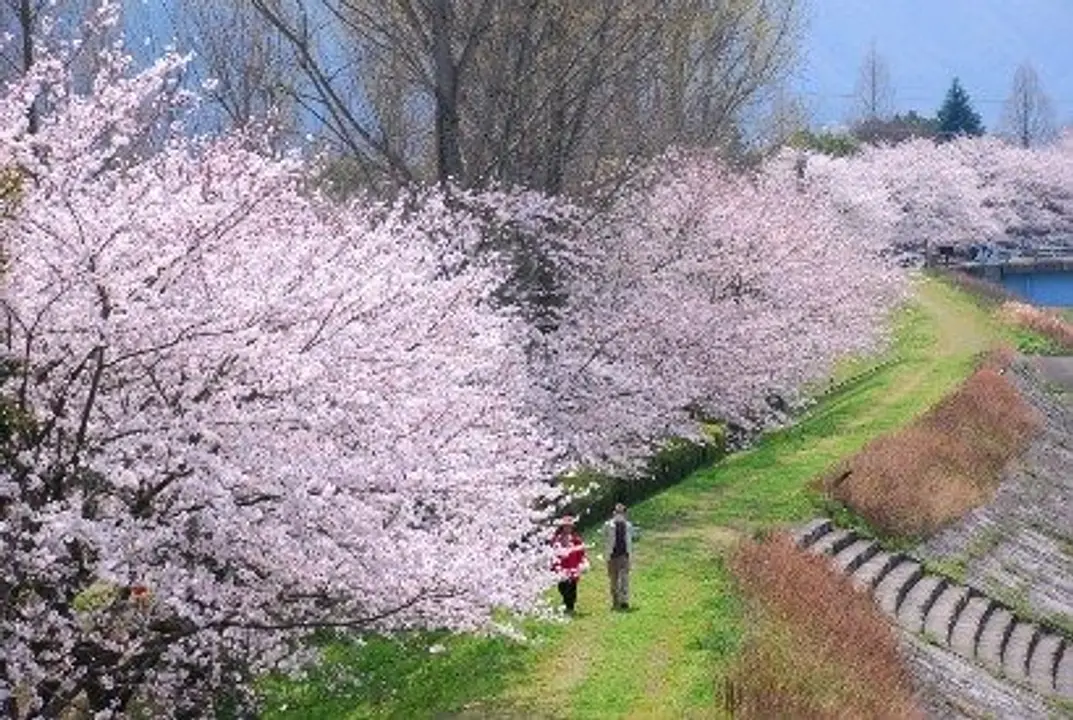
pixel 813 648
pixel 671 656
pixel 910 483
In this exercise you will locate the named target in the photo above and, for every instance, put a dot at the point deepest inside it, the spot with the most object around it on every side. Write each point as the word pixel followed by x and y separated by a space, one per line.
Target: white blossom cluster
pixel 707 293
pixel 918 195
pixel 238 411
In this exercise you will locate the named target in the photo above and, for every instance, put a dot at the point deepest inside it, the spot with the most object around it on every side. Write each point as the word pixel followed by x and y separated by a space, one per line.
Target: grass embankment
pixel 672 655
pixel 1032 330
pixel 910 483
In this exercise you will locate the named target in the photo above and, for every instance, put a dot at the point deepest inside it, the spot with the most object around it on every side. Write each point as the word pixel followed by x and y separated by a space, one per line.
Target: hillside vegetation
pixel 814 647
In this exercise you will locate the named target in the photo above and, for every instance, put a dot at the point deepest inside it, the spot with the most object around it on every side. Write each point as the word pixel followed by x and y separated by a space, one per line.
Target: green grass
pixel 401 676
pixel 956 567
pixel 670 656
pixel 1060 708
pixel 1030 342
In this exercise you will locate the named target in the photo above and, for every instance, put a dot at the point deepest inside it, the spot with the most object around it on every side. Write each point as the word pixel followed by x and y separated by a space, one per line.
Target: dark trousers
pixel 568 589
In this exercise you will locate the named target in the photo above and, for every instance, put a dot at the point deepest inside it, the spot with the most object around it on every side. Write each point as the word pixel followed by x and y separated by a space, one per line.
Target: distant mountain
pixel 926 43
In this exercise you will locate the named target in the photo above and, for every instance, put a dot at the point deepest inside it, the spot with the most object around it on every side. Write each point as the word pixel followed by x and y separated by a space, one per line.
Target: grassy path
pixel 667 658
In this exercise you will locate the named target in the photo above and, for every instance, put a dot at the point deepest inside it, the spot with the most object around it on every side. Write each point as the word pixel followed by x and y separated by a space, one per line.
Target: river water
pixel 1052 287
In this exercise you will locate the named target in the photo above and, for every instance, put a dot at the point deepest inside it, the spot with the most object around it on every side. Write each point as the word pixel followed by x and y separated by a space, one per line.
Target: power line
pixel 917 98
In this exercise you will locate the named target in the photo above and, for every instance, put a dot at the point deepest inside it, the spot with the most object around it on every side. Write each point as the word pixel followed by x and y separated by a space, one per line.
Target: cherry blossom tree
pixel 920 194
pixel 707 294
pixel 1039 184
pixel 234 411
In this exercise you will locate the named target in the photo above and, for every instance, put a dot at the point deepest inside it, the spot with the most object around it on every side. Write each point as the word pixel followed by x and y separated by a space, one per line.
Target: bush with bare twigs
pixel 984 291
pixel 815 647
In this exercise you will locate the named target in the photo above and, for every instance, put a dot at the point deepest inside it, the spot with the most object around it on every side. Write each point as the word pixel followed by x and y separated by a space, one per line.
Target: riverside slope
pixel 989 633
pixel 1019 548
pixel 669 658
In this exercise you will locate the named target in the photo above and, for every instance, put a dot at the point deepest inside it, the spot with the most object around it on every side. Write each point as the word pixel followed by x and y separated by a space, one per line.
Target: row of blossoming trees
pixel 920 194
pixel 234 410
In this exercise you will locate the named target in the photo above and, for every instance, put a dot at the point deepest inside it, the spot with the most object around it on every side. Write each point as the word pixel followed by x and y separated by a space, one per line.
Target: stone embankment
pixel 955 616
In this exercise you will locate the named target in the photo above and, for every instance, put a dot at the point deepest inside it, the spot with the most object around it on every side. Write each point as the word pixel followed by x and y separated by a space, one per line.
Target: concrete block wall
pixel 958 617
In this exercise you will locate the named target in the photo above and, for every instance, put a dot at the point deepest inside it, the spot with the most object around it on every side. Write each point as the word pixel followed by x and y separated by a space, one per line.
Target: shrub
pixel 983 291
pixel 815 648
pixel 910 483
pixel 1046 323
pixel 597 492
pixel 826 143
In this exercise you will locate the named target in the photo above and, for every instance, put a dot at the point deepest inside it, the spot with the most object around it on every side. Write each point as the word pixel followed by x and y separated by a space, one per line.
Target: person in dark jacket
pixel 570 561
pixel 618 544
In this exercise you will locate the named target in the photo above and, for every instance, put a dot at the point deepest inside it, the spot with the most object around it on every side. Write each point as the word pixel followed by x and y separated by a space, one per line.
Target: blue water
pixel 1054 288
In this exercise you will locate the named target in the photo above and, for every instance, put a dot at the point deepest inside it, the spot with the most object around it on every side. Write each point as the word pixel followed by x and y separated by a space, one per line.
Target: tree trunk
pixel 26 25
pixel 448 155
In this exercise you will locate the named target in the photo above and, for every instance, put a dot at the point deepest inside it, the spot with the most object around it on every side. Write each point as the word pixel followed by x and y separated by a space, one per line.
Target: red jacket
pixel 570 559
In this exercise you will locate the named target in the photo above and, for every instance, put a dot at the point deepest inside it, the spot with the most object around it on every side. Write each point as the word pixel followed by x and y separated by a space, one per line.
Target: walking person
pixel 618 542
pixel 570 561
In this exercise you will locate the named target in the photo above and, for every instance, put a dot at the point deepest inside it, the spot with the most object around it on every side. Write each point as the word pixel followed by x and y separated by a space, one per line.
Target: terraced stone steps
pixel 913 612
pixel 944 612
pixel 969 624
pixel 994 636
pixel 955 616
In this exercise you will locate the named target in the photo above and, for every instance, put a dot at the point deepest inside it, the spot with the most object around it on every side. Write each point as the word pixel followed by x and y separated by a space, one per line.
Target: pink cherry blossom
pixel 707 293
pixel 919 194
pixel 250 411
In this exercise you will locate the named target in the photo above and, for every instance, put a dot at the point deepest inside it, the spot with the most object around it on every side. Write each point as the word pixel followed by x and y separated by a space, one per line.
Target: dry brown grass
pixel 815 647
pixel 984 290
pixel 1044 322
pixel 912 482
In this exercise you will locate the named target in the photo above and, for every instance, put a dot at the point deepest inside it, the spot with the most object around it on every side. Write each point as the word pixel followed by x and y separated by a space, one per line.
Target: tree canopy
pixel 897 129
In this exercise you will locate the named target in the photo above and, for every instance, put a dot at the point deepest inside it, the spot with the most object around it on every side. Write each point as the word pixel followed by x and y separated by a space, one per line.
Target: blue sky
pixel 926 43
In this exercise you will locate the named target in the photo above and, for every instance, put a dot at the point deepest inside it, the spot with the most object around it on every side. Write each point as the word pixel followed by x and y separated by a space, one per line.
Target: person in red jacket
pixel 570 560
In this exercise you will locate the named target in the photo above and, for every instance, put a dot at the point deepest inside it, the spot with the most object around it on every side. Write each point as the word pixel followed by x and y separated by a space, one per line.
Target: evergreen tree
pixel 957 116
